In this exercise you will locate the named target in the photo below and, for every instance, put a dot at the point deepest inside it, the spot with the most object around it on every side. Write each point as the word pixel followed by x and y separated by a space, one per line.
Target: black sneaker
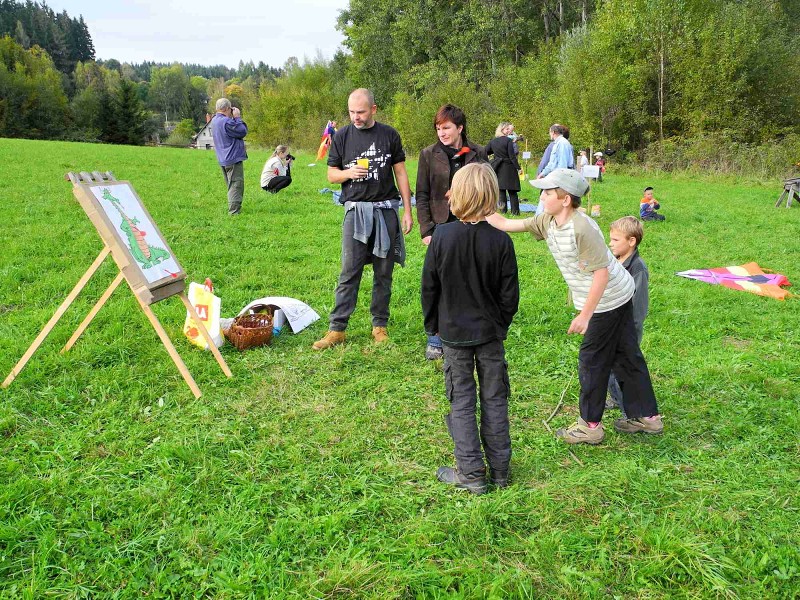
pixel 498 478
pixel 476 485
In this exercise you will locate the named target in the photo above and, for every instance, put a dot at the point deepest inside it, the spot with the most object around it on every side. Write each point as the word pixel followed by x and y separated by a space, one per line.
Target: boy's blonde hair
pixel 630 227
pixel 474 192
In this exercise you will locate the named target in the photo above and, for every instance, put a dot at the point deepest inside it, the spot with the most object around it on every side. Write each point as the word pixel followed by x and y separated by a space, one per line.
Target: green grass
pixel 312 475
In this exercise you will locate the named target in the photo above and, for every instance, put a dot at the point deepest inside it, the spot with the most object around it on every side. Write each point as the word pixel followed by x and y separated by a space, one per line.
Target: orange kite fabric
pixel 748 278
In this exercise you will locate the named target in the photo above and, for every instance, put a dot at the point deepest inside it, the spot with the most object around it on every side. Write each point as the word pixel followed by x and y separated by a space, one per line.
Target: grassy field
pixel 311 475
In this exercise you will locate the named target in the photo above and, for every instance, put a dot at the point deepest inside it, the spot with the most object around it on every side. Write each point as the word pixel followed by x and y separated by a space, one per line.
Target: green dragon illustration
pixel 144 253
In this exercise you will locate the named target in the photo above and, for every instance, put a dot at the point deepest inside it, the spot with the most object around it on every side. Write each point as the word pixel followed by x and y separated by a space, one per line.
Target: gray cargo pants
pixel 234 178
pixel 460 364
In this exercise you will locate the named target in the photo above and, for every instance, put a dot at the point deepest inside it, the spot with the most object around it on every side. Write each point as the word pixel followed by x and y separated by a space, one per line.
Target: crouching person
pixel 277 172
pixel 470 293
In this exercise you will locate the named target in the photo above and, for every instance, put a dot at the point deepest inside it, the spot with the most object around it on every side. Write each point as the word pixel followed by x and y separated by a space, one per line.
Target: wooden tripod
pixel 109 249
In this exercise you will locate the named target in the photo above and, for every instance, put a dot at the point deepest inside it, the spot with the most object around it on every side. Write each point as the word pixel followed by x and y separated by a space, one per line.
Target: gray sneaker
pixel 652 425
pixel 581 433
pixel 433 352
pixel 476 485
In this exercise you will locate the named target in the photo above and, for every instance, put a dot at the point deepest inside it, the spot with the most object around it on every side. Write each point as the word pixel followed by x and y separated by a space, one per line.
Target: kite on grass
pixel 748 278
pixel 327 138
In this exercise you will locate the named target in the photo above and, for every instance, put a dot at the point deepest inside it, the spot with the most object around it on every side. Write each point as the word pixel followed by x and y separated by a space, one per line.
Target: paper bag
pixel 207 306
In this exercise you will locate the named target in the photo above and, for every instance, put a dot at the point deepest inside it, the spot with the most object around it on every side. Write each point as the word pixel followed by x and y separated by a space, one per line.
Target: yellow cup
pixel 363 162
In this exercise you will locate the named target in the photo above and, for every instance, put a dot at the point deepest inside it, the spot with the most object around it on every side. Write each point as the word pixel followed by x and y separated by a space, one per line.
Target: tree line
pixel 710 84
pixel 51 86
pixel 670 83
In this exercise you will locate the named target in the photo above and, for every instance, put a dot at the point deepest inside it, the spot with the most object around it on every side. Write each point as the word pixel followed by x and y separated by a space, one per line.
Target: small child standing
pixel 470 293
pixel 648 207
pixel 625 235
pixel 601 291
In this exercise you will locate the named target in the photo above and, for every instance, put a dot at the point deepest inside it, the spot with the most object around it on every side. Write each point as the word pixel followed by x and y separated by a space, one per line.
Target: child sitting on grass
pixel 470 293
pixel 625 235
pixel 648 207
pixel 601 291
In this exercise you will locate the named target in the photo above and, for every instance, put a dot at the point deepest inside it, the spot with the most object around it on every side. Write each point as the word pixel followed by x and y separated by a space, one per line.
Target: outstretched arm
pixel 510 225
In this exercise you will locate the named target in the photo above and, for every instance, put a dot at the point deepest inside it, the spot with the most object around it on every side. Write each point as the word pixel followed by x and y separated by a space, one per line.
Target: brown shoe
pixel 332 338
pixel 652 425
pixel 581 433
pixel 380 335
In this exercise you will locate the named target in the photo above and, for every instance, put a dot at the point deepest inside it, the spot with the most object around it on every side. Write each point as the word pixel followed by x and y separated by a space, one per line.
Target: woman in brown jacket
pixel 437 165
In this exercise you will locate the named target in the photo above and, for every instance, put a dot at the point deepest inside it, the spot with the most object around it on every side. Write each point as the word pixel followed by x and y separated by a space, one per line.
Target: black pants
pixel 355 255
pixel 460 364
pixel 277 183
pixel 512 198
pixel 610 342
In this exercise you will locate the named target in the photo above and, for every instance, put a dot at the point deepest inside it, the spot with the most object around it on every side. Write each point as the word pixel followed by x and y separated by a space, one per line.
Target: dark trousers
pixel 354 256
pixel 610 342
pixel 234 179
pixel 277 183
pixel 512 198
pixel 460 364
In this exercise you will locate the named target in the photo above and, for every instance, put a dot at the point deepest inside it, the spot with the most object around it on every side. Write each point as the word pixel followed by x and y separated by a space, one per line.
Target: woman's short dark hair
pixel 452 113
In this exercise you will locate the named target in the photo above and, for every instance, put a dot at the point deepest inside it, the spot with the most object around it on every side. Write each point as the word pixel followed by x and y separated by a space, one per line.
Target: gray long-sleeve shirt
pixel 641 297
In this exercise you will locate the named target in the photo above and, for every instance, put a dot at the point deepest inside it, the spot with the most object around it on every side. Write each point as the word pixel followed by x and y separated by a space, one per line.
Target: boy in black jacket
pixel 470 293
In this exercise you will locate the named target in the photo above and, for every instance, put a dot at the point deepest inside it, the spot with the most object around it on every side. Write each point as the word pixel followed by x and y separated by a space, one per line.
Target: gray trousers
pixel 460 364
pixel 234 178
pixel 355 255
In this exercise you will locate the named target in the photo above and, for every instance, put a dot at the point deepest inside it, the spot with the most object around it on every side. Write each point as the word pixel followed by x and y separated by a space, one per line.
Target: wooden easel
pixel 791 188
pixel 144 296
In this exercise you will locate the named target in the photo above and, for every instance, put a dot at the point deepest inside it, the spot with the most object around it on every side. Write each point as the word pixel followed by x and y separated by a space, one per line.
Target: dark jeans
pixel 512 198
pixel 354 256
pixel 460 364
pixel 234 178
pixel 610 342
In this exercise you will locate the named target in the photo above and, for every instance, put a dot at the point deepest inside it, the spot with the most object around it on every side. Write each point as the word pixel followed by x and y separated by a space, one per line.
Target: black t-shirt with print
pixel 381 146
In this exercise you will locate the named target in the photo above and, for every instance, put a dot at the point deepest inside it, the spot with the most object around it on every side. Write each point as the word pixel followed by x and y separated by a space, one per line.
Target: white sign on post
pixel 526 156
pixel 591 171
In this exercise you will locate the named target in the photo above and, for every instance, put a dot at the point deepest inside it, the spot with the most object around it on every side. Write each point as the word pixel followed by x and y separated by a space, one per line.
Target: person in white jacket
pixel 277 170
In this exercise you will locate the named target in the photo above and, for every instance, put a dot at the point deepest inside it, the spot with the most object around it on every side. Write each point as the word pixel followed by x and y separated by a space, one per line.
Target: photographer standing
pixel 277 173
pixel 228 131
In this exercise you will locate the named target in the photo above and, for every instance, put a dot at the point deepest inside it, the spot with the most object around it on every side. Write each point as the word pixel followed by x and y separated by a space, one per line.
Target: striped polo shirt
pixel 579 249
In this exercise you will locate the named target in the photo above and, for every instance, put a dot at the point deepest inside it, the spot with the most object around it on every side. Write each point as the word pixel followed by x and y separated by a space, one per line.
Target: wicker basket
pixel 249 331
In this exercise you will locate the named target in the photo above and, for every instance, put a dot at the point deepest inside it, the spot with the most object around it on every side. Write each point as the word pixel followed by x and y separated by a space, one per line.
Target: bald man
pixel 367 159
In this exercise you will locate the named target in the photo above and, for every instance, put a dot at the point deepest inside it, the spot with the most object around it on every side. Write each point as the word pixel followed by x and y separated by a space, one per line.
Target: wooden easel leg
pixel 176 358
pixel 58 314
pixel 103 299
pixel 206 336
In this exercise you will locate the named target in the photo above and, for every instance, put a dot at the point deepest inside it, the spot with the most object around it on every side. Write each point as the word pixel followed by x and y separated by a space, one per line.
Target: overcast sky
pixel 208 33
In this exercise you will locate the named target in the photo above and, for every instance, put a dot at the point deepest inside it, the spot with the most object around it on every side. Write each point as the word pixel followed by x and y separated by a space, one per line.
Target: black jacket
pixel 504 162
pixel 470 287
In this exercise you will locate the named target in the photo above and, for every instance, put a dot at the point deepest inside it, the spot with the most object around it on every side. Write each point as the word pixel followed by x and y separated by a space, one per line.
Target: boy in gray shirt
pixel 625 235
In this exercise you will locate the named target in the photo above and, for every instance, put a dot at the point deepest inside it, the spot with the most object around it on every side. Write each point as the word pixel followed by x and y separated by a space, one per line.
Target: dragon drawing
pixel 144 253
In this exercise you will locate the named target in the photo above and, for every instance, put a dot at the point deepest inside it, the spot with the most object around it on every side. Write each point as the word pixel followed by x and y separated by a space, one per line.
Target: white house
pixel 203 139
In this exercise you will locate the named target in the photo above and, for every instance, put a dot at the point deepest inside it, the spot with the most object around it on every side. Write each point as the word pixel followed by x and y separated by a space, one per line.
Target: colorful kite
pixel 748 278
pixel 327 137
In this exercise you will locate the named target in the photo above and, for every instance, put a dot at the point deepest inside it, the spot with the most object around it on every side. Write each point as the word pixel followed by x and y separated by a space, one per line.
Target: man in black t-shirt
pixel 367 158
